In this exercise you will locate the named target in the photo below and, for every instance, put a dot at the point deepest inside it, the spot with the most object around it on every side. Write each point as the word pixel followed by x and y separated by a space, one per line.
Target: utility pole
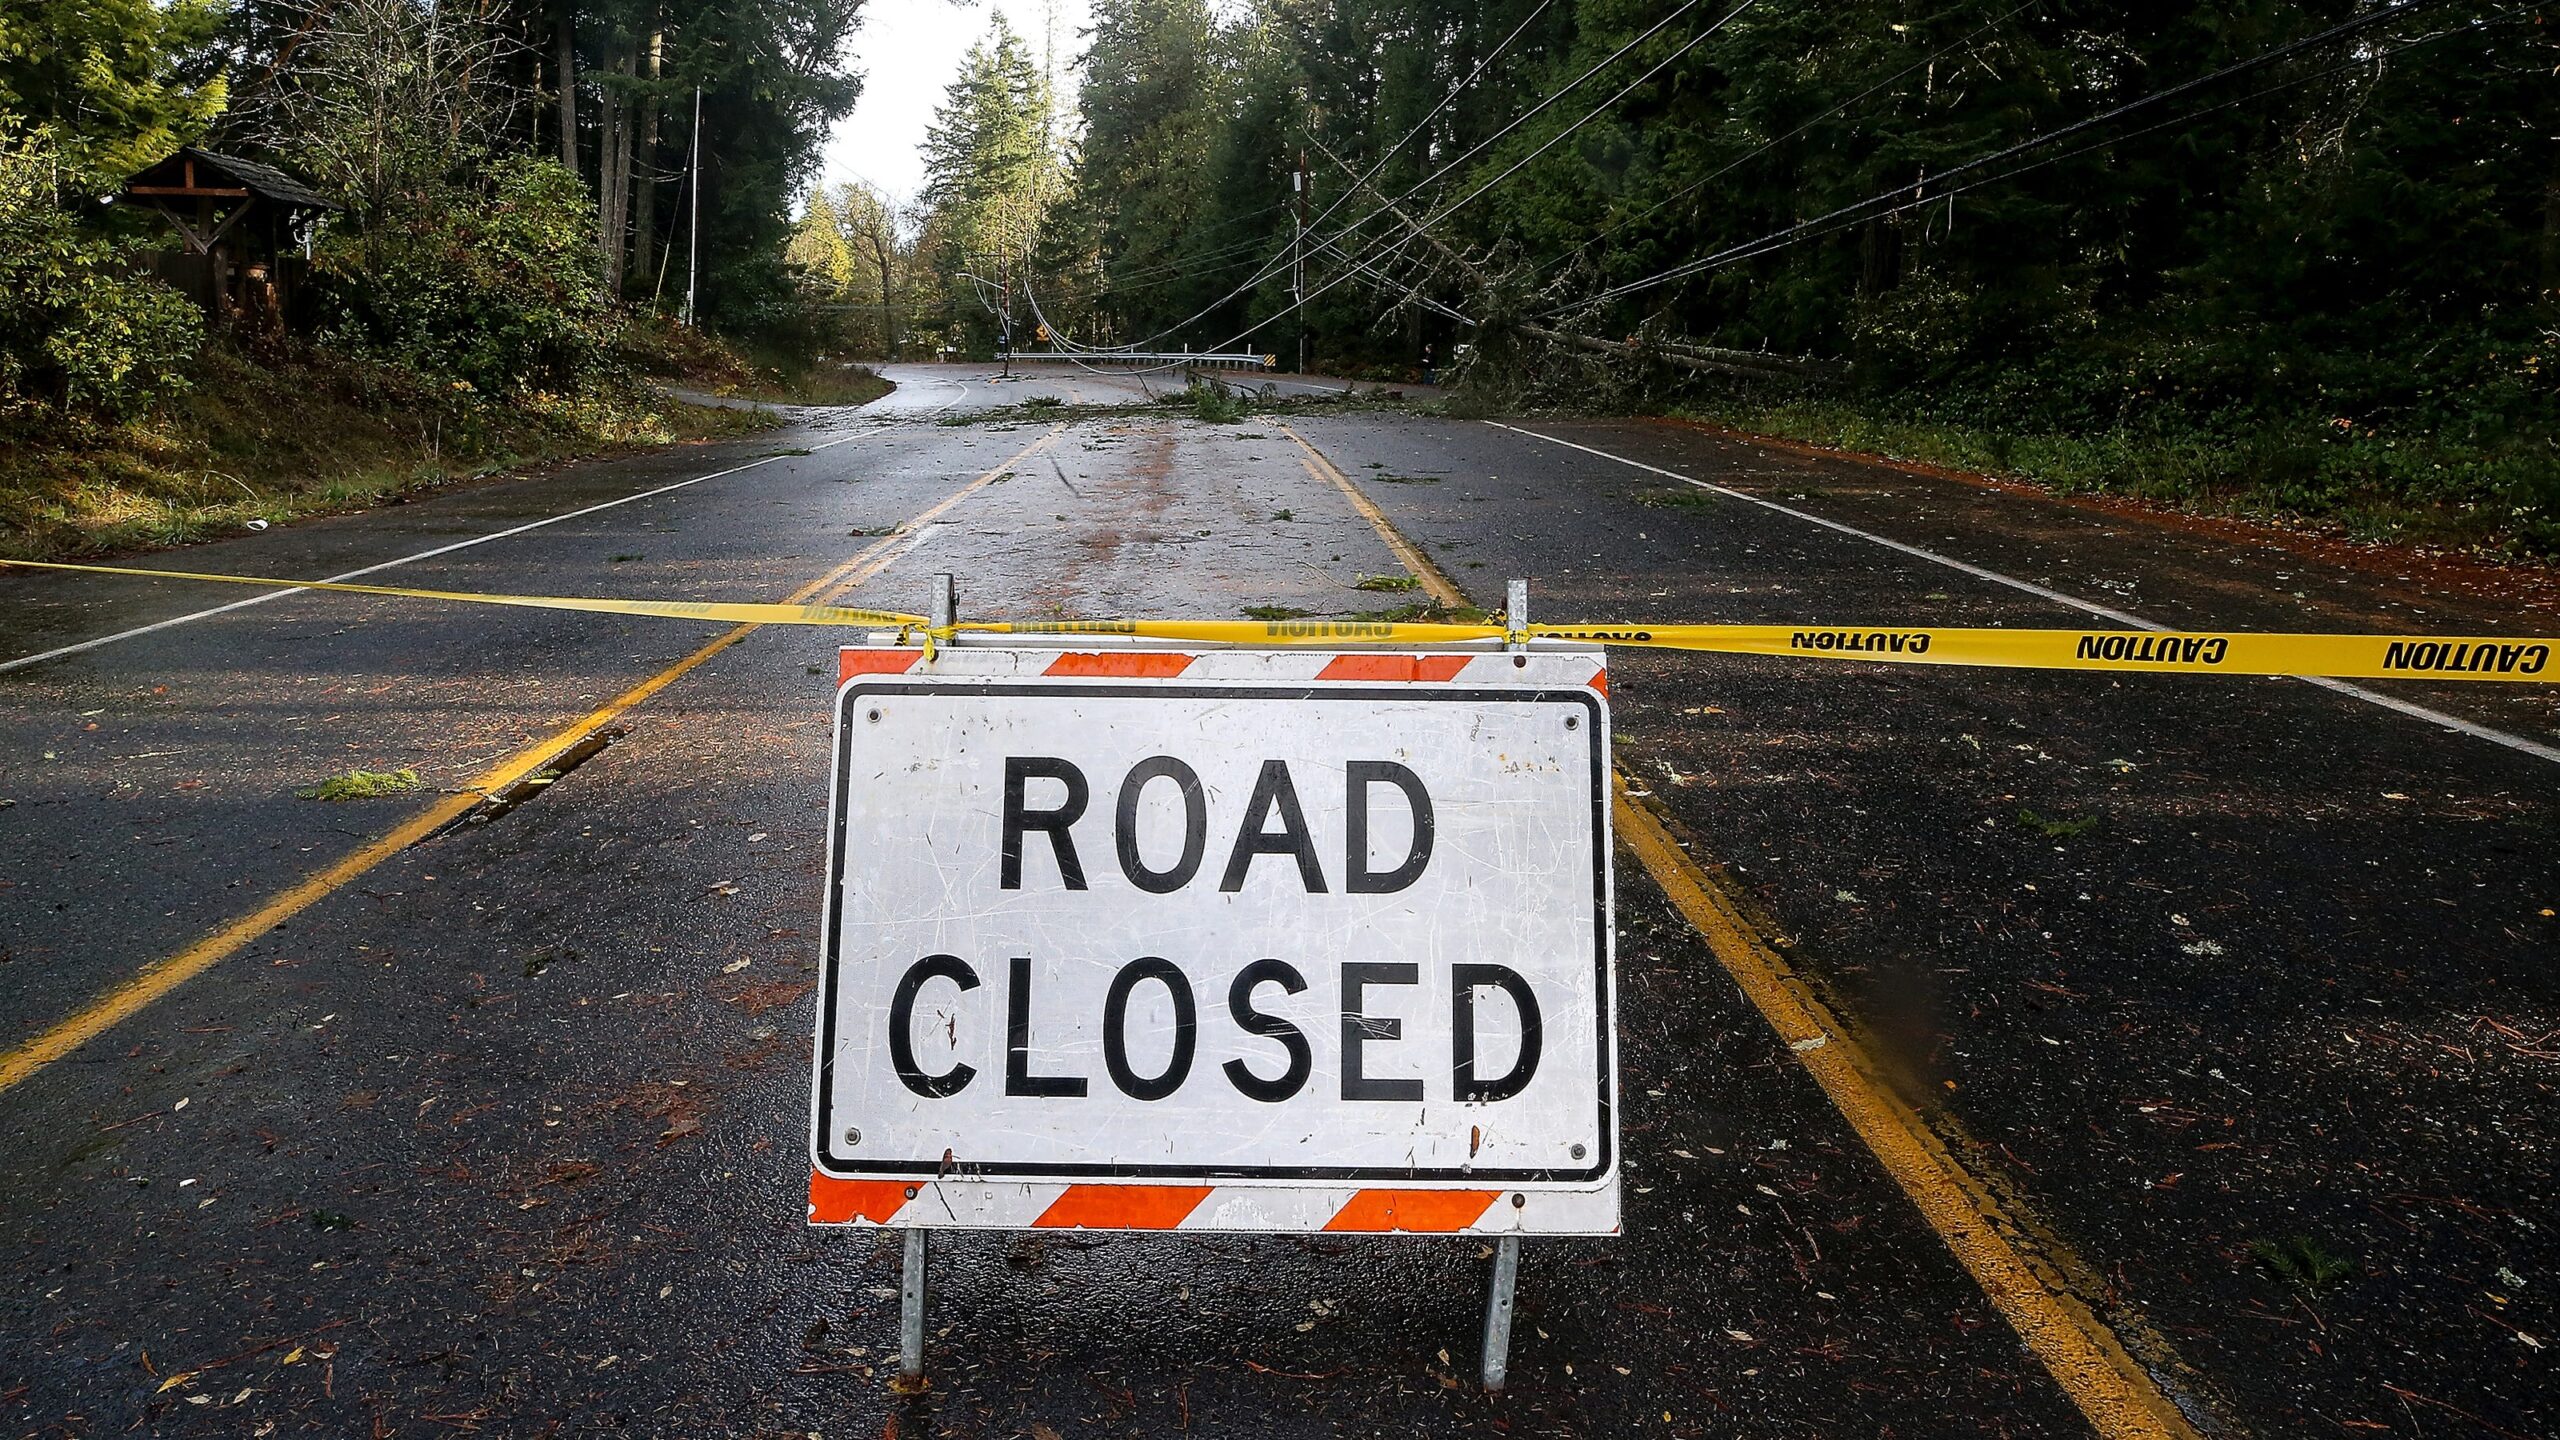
pixel 693 226
pixel 1298 258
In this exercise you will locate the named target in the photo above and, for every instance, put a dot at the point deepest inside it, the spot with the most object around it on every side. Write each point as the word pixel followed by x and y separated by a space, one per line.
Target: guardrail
pixel 1201 359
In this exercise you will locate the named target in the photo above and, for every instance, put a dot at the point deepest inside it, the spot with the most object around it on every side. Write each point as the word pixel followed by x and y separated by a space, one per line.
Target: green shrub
pixel 498 287
pixel 80 334
pixel 1212 400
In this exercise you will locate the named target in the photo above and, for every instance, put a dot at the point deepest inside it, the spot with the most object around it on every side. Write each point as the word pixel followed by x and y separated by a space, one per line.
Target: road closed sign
pixel 1284 940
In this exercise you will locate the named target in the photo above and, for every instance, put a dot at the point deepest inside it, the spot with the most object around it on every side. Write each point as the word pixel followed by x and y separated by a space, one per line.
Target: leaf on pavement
pixel 363 785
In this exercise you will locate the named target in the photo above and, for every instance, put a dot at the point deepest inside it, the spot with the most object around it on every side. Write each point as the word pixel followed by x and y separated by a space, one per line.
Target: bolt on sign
pixel 1241 940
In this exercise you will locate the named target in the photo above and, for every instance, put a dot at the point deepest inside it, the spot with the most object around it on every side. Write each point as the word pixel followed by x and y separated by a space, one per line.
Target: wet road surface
pixel 958 388
pixel 2238 993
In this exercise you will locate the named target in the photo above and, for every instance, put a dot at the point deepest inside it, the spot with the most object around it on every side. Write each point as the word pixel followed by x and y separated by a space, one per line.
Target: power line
pixel 1767 146
pixel 1741 253
pixel 1755 247
pixel 1271 266
pixel 2184 117
pixel 1179 269
pixel 1412 292
pixel 1449 99
pixel 1446 211
pixel 1422 227
pixel 1479 147
pixel 1559 137
pixel 1527 115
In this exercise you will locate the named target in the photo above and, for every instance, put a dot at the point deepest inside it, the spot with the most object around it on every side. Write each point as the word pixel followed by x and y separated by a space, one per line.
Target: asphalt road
pixel 967 388
pixel 2237 994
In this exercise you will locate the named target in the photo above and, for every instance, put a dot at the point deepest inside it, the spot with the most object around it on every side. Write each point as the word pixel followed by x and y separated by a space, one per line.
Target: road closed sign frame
pixel 1221 805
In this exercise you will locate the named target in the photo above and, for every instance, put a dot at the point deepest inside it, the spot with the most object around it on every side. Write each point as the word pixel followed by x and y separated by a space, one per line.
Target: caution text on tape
pixel 2518 658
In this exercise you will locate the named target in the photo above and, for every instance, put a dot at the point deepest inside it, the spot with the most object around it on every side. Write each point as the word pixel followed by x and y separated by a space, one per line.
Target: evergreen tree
pixel 2367 230
pixel 990 176
pixel 1149 99
pixel 117 83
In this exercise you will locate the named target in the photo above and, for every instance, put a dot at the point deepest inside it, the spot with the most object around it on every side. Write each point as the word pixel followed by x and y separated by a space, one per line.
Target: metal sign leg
pixel 911 1308
pixel 1497 1312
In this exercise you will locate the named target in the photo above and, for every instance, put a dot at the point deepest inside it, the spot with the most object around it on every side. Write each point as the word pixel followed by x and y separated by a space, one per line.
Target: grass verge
pixel 254 444
pixel 822 381
pixel 2497 496
pixel 767 374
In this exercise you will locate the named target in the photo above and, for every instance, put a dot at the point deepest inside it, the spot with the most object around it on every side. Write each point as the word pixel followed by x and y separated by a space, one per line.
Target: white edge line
pixel 260 599
pixel 2415 711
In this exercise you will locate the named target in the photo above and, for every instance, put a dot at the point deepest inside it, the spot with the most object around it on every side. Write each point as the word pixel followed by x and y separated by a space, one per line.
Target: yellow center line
pixel 1442 590
pixel 2083 1355
pixel 161 977
pixel 2031 1290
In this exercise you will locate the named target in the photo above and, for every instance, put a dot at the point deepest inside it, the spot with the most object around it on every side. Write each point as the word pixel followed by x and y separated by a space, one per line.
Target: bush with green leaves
pixel 496 285
pixel 81 335
pixel 1210 399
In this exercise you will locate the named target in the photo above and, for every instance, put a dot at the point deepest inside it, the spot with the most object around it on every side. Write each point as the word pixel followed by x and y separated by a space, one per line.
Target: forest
pixel 508 215
pixel 2305 251
pixel 2301 257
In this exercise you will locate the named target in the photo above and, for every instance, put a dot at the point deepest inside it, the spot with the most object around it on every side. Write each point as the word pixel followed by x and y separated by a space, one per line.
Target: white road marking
pixel 2494 736
pixel 262 598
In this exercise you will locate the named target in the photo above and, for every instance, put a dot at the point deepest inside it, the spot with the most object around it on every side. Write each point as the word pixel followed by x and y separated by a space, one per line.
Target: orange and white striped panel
pixel 1287 1209
pixel 1543 667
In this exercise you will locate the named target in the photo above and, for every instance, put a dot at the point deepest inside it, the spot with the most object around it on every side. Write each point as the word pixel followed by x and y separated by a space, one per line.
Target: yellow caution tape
pixel 2375 657
pixel 721 612
pixel 2526 658
pixel 2372 657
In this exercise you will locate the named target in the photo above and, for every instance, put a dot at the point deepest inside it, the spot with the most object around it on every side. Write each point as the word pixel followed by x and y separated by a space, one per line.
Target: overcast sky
pixel 907 51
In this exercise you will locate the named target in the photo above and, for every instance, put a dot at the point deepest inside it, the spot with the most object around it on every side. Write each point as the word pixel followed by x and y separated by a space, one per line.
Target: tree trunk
pixel 568 91
pixel 2551 241
pixel 881 250
pixel 1879 258
pixel 608 244
pixel 646 221
pixel 613 177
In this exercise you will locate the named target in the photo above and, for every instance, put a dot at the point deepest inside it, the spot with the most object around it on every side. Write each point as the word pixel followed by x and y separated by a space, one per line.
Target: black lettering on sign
pixel 1195 824
pixel 1115 1029
pixel 1019 818
pixel 1272 790
pixel 1357 777
pixel 1358 1029
pixel 1258 1022
pixel 902 1014
pixel 1018 1079
pixel 1462 1031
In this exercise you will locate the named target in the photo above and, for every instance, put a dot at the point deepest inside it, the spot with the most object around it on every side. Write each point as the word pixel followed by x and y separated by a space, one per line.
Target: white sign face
pixel 1218 931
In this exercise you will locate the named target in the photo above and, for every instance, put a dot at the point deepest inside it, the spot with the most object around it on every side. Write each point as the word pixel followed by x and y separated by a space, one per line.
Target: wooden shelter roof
pixel 197 174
